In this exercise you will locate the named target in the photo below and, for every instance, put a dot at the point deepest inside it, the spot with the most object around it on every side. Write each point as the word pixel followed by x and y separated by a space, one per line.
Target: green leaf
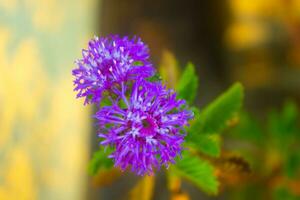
pixel 216 115
pixel 99 161
pixel 198 171
pixel 188 84
pixel 202 132
pixel 208 144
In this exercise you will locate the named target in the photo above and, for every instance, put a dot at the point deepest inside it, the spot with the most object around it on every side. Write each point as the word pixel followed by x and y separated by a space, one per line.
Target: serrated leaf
pixel 100 160
pixel 188 84
pixel 198 171
pixel 214 117
pixel 208 144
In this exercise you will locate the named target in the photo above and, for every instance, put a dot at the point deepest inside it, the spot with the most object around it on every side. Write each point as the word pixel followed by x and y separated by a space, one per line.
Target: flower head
pixel 146 129
pixel 109 61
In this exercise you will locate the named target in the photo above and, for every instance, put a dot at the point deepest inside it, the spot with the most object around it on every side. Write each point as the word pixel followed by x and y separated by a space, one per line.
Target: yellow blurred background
pixel 44 131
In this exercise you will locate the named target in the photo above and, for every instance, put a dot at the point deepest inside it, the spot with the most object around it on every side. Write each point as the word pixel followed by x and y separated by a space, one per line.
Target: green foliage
pixel 284 135
pixel 188 84
pixel 283 125
pixel 283 193
pixel 156 77
pixel 216 115
pixel 279 139
pixel 212 120
pixel 198 171
pixel 100 161
pixel 248 129
pixel 105 102
pixel 208 144
pixel 292 165
pixel 137 63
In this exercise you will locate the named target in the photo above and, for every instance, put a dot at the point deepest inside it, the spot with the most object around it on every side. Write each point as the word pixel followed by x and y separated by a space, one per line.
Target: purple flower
pixel 146 129
pixel 109 61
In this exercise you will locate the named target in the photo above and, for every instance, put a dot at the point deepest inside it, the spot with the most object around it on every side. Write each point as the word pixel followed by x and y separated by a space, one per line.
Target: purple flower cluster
pixel 108 62
pixel 144 122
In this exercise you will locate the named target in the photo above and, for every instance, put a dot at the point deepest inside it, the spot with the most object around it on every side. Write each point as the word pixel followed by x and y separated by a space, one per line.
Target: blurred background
pixel 47 136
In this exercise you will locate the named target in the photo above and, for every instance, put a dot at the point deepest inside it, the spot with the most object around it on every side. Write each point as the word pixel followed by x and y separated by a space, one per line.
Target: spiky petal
pixel 109 61
pixel 147 131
